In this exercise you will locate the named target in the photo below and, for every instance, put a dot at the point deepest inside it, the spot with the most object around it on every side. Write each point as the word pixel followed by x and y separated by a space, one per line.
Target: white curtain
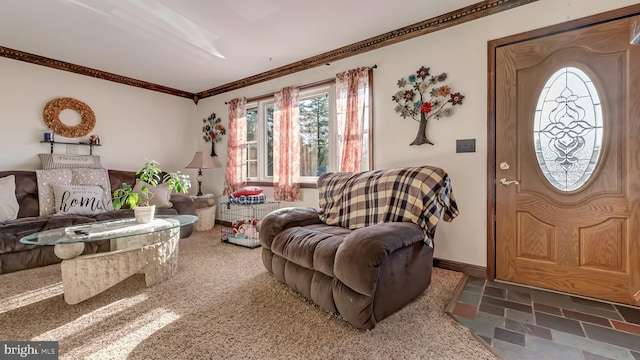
pixel 234 178
pixel 286 145
pixel 352 90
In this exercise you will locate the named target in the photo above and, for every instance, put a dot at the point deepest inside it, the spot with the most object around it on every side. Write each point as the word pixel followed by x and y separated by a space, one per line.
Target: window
pixel 318 136
pixel 251 161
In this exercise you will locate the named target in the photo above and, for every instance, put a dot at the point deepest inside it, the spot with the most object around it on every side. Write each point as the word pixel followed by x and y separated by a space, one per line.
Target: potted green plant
pixel 139 202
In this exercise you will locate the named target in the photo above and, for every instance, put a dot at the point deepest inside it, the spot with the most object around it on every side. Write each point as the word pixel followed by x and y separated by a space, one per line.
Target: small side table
pixel 205 210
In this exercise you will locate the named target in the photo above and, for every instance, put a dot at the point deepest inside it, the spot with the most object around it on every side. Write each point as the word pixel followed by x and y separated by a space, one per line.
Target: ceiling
pixel 195 45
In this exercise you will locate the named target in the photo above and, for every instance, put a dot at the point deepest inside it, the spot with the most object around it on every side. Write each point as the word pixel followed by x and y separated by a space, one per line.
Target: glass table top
pixel 109 229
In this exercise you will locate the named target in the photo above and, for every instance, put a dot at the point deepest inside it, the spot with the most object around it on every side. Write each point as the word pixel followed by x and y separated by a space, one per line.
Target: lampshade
pixel 202 161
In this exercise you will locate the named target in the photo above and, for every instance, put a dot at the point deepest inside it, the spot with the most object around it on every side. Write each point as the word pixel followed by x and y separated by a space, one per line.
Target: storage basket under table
pixel 242 222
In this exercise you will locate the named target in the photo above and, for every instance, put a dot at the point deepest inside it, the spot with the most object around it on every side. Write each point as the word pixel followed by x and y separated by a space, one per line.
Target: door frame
pixel 493 45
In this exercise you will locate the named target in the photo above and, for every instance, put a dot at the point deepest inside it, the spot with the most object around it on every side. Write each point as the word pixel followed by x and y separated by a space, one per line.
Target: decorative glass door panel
pixel 567 129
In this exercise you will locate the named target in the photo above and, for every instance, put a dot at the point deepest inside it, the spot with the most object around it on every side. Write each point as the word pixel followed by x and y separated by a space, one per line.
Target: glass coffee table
pixel 150 248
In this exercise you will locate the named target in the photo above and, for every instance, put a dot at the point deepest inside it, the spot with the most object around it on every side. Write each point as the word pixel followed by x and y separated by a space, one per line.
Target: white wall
pixel 461 52
pixel 135 124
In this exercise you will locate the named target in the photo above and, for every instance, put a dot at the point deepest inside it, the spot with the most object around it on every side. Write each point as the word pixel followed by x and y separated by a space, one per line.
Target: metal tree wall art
pixel 213 130
pixel 422 97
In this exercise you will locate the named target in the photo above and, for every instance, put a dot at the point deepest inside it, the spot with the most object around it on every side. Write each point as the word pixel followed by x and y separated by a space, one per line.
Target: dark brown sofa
pixel 367 251
pixel 16 256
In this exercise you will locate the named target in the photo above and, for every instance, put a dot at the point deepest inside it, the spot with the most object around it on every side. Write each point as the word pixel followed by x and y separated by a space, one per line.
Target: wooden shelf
pixel 71 143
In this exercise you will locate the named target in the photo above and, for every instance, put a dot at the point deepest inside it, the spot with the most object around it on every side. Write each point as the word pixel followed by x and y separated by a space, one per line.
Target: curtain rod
pixel 301 87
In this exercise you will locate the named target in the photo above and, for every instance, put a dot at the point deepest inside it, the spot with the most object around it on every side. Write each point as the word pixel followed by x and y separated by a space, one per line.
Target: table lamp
pixel 201 161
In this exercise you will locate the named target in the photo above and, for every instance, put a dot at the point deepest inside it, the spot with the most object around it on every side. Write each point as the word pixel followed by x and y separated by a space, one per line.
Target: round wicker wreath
pixel 51 115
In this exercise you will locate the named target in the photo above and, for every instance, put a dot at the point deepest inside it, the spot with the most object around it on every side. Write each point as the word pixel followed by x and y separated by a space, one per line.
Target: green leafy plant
pixel 150 174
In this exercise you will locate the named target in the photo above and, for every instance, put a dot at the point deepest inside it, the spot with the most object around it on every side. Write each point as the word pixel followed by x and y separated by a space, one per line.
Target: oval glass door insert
pixel 567 129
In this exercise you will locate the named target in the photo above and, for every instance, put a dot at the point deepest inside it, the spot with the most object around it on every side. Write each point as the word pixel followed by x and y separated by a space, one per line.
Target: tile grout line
pixel 475 335
pixel 507 296
pixel 605 342
pixel 621 316
pixel 608 324
pixel 611 322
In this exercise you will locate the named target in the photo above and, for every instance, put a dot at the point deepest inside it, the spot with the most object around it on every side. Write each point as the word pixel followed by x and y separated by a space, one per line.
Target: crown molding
pixel 456 17
pixel 83 70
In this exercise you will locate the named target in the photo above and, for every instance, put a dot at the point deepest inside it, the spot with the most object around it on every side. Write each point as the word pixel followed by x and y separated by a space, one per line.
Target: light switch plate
pixel 465 145
pixel 72 150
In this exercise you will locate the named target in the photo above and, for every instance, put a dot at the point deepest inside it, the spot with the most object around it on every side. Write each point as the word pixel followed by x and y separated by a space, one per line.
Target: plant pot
pixel 144 214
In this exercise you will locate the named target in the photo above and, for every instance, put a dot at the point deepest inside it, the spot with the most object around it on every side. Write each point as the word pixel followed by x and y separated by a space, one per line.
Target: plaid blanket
pixel 420 195
pixel 248 199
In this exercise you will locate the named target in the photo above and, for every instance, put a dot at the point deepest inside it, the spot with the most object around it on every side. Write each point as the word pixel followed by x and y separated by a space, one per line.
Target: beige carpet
pixel 222 304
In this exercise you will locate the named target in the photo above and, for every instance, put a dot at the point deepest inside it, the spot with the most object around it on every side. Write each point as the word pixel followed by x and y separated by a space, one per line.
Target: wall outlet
pixel 465 145
pixel 72 150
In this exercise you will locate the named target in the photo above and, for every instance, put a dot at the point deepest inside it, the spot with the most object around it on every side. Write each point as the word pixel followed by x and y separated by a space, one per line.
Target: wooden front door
pixel 567 164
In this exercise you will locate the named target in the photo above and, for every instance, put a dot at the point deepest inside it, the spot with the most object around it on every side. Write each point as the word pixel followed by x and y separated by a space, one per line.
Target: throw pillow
pixel 8 203
pixel 247 191
pixel 61 161
pixel 99 177
pixel 46 178
pixel 159 196
pixel 248 200
pixel 78 199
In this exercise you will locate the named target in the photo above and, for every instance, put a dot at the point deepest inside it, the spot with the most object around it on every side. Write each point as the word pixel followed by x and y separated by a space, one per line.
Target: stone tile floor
pixel 524 323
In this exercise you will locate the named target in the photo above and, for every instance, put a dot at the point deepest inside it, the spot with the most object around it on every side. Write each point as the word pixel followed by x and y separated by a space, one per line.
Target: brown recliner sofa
pixel 367 251
pixel 16 256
